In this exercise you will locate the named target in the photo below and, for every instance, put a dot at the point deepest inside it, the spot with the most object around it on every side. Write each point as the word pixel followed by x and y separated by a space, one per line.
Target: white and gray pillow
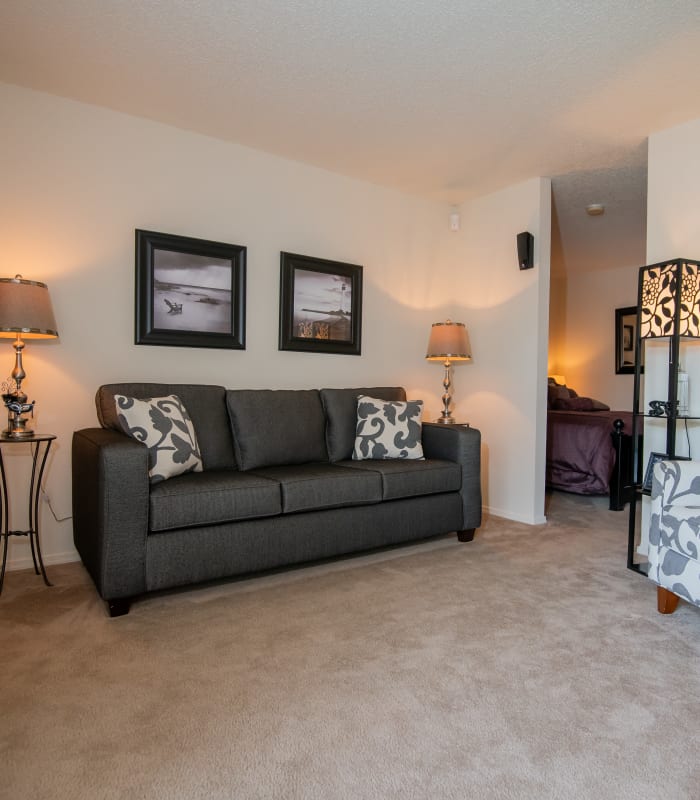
pixel 164 426
pixel 388 429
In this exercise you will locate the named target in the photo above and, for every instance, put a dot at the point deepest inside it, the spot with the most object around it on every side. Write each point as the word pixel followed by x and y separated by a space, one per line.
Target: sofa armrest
pixel 461 444
pixel 110 510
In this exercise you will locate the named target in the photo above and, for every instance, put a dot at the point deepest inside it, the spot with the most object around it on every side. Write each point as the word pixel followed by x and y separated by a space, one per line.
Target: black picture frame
pixel 189 292
pixel 625 340
pixel 320 305
pixel 653 459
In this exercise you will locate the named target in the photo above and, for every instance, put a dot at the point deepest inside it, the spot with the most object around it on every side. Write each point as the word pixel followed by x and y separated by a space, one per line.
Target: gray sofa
pixel 278 487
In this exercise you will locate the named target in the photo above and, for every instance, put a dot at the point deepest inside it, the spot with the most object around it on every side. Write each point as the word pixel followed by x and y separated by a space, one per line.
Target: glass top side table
pixel 40 444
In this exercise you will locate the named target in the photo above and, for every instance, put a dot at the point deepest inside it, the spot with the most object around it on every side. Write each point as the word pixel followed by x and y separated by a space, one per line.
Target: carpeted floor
pixel 528 664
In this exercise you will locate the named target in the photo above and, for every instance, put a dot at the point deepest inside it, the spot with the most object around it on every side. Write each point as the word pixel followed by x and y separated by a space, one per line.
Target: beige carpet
pixel 527 664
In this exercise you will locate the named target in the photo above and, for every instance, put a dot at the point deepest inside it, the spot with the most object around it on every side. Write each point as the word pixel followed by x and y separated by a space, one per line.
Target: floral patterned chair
pixel 674 535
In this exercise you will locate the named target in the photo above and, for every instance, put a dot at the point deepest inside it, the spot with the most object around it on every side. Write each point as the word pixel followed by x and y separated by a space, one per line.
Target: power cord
pixel 47 499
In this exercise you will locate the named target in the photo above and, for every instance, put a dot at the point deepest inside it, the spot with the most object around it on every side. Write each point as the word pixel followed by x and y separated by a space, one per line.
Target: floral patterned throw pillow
pixel 388 429
pixel 164 426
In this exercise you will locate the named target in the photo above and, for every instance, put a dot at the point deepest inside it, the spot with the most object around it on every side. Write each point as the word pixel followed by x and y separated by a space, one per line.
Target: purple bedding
pixel 580 453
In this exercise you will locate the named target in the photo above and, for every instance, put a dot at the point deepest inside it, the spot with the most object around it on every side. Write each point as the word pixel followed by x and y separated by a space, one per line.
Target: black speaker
pixel 526 245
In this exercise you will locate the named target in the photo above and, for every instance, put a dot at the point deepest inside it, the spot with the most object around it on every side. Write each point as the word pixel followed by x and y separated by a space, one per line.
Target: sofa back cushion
pixel 206 406
pixel 340 406
pixel 276 426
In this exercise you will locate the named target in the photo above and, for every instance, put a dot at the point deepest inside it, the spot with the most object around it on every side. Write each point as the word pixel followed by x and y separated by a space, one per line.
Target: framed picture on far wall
pixel 189 292
pixel 625 340
pixel 320 305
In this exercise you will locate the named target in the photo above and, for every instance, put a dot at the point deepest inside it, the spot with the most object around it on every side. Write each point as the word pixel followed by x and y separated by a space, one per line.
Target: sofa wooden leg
pixel 117 608
pixel 666 601
pixel 466 536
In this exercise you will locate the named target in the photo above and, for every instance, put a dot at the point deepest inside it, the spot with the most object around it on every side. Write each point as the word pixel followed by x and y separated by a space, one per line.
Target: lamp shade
pixel 25 309
pixel 449 341
pixel 669 297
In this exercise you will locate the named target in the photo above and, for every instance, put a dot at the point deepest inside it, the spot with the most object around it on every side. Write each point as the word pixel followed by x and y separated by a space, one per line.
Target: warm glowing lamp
pixel 25 313
pixel 448 342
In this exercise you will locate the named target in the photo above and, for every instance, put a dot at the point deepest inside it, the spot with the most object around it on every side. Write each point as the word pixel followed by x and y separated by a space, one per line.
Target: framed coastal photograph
pixel 189 292
pixel 320 305
pixel 625 340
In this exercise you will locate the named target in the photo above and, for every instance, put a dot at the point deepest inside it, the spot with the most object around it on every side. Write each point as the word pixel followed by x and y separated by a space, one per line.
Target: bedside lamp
pixel 25 313
pixel 448 342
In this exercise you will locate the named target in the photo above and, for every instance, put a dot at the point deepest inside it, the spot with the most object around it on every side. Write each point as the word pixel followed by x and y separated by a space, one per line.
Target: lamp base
pixel 447 421
pixel 17 430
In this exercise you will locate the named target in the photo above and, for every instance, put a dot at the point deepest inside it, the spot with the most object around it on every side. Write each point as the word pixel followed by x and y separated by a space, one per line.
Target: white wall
pixel 77 180
pixel 503 390
pixel 589 336
pixel 673 194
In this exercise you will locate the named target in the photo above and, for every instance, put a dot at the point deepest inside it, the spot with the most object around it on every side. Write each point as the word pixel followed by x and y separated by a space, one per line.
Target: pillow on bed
pixel 556 392
pixel 578 404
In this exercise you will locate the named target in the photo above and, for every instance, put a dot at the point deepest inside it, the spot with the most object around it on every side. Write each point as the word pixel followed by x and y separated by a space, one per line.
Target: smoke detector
pixel 595 209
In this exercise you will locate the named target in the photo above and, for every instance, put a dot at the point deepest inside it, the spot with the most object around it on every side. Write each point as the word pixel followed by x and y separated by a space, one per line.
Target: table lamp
pixel 448 342
pixel 25 313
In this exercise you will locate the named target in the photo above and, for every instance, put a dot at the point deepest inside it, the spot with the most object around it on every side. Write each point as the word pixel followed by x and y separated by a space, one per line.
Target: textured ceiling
pixel 450 99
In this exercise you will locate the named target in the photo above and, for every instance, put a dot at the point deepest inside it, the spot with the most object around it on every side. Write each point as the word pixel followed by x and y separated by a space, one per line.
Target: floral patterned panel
pixel 674 535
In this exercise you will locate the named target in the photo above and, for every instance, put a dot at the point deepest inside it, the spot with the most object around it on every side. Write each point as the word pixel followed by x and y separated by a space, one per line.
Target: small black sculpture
pixel 659 408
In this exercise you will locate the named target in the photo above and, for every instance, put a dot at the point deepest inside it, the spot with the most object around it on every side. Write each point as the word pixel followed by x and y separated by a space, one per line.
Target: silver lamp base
pixel 17 430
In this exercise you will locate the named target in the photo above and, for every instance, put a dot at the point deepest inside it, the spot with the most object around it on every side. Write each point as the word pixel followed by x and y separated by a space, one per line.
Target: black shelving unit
pixel 668 312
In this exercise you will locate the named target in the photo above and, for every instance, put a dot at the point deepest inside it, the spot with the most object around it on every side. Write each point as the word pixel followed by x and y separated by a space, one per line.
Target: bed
pixel 589 447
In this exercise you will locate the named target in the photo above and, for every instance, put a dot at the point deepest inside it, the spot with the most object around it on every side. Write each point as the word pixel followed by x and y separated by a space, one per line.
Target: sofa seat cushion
pixel 408 478
pixel 208 498
pixel 276 427
pixel 307 487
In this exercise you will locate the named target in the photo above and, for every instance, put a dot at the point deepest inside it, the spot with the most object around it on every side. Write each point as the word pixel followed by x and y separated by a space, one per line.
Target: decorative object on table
pixel 25 313
pixel 189 292
pixel 448 342
pixel 625 339
pixel 320 305
pixel 660 408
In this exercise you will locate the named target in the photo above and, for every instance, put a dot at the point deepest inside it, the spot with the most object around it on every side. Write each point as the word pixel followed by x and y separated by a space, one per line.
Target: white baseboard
pixel 25 562
pixel 500 512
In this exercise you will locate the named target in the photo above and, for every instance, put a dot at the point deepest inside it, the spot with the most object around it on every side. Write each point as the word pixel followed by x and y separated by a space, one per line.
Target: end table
pixel 40 444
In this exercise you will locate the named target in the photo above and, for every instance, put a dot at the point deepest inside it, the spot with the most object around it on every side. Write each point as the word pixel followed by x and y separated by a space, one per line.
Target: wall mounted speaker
pixel 526 246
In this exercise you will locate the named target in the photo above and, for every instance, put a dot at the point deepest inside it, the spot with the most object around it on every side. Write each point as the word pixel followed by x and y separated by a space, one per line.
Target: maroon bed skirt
pixel 580 452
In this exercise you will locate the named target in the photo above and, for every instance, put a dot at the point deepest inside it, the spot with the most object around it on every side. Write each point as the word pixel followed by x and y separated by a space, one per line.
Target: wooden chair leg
pixel 666 601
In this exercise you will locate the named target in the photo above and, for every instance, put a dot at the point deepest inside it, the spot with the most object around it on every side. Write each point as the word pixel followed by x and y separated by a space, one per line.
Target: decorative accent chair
pixel 674 534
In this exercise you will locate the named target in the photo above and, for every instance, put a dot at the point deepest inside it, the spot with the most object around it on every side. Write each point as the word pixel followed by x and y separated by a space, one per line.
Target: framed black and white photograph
pixel 189 292
pixel 625 340
pixel 320 305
